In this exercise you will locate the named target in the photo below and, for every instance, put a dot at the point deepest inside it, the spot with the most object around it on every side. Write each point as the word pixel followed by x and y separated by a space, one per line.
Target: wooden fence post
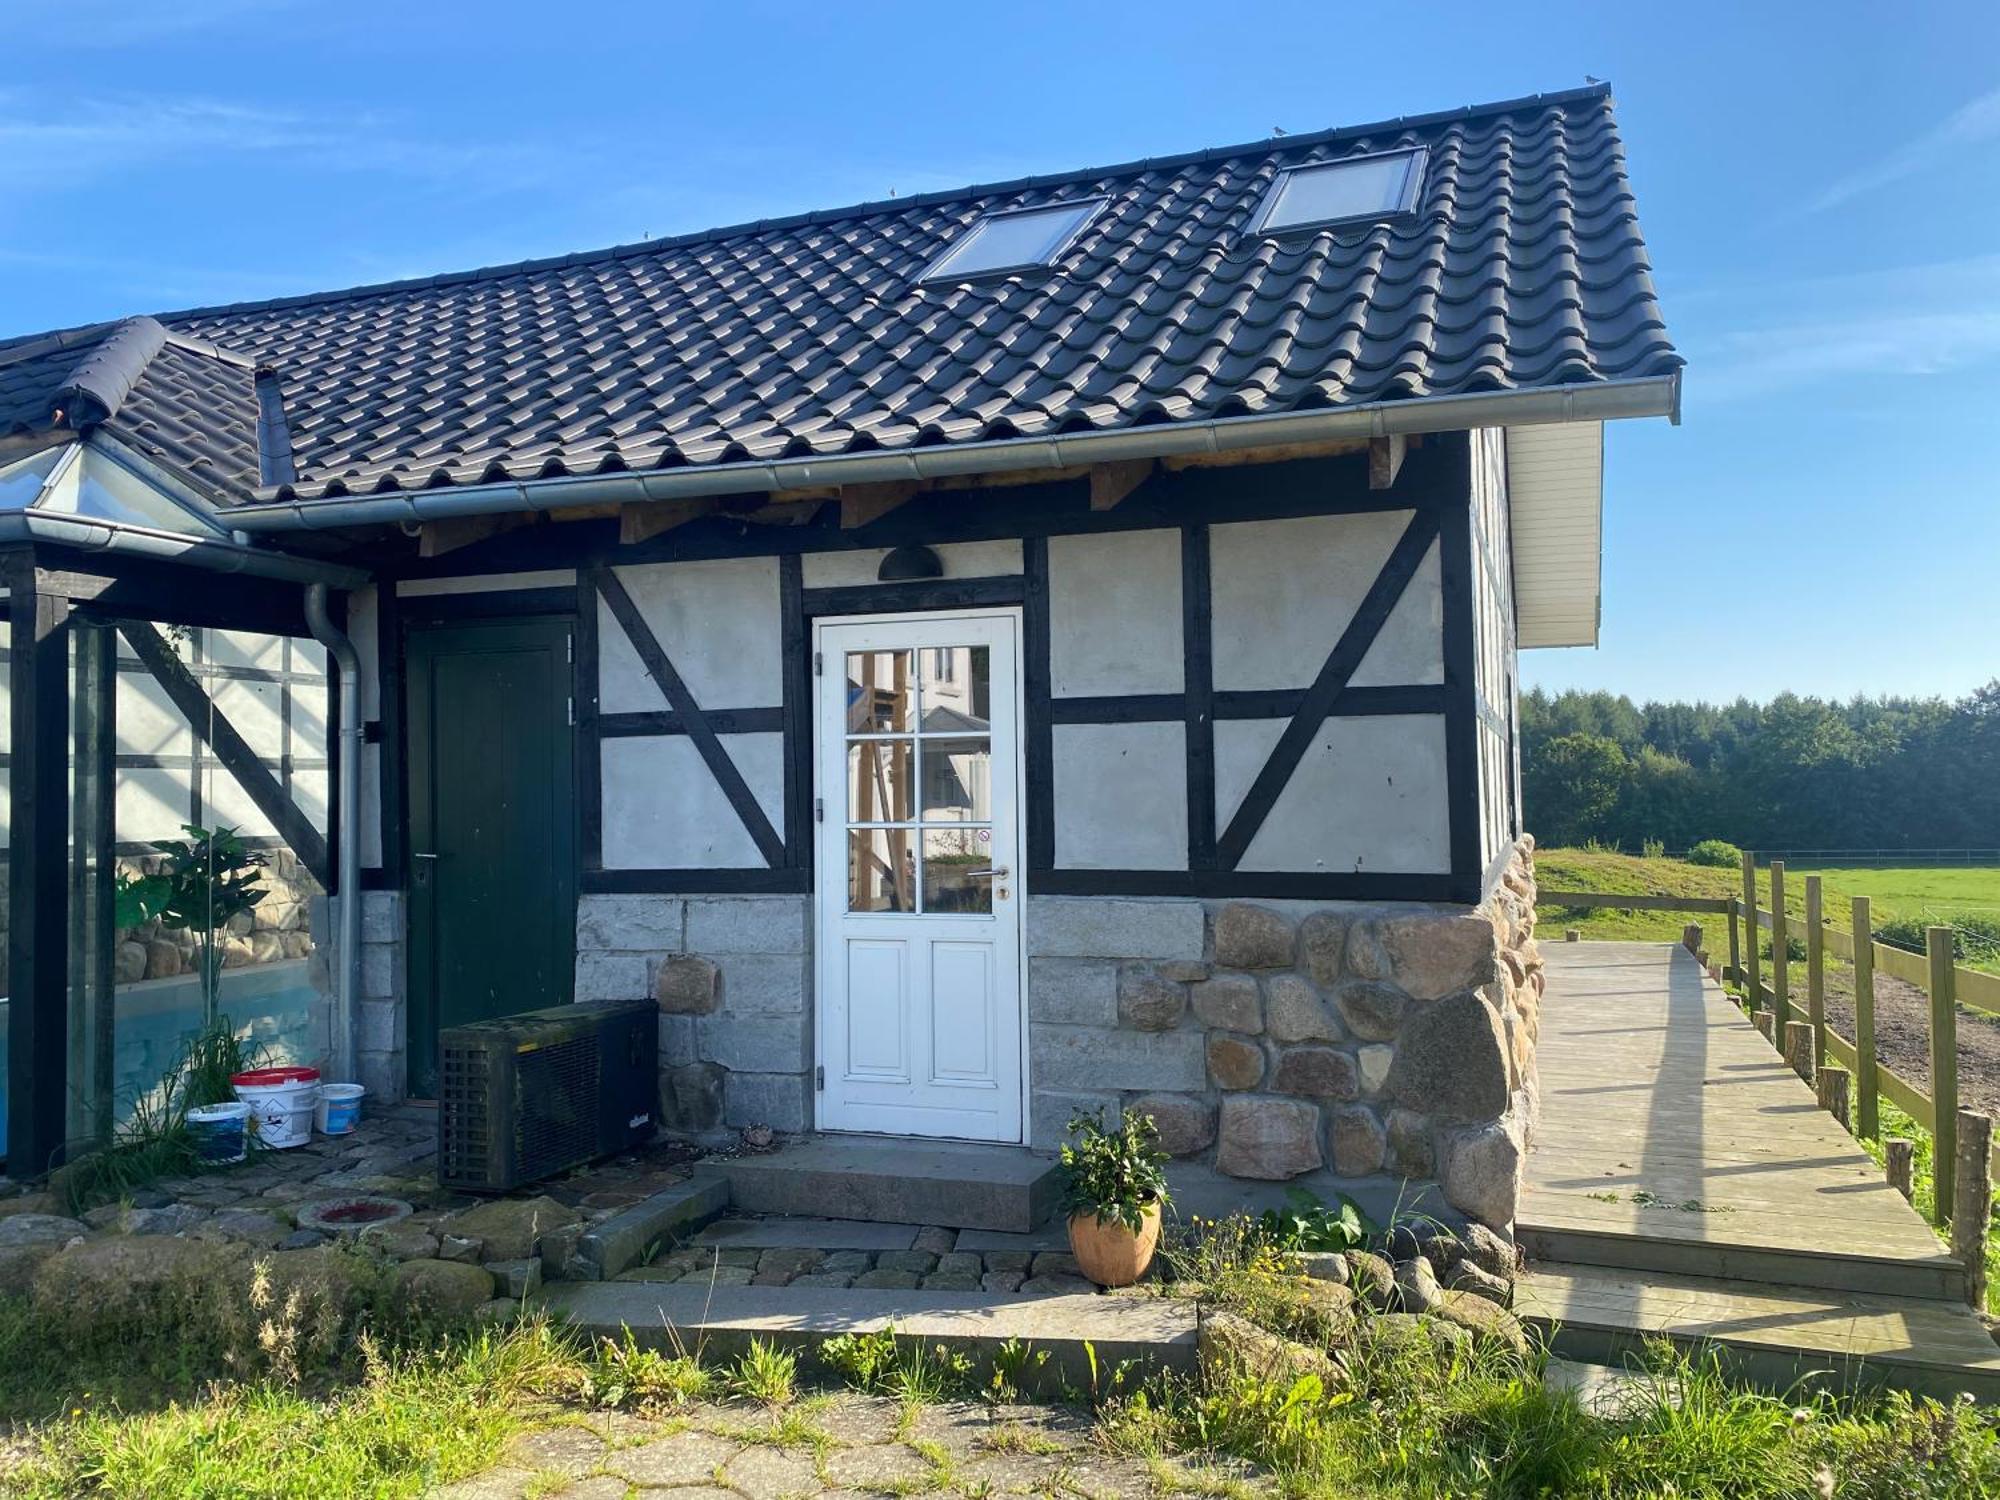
pixel 1974 1191
pixel 1735 974
pixel 1766 1023
pixel 1781 985
pixel 1691 937
pixel 1867 1115
pixel 1798 1049
pixel 1816 969
pixel 1902 1156
pixel 1833 1092
pixel 1572 934
pixel 1944 1068
pixel 1750 930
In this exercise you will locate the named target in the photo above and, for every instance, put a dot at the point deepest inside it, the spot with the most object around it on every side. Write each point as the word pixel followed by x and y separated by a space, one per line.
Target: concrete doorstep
pixel 720 1321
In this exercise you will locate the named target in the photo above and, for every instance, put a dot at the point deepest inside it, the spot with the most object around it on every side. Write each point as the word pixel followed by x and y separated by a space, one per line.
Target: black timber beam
pixel 38 895
pixel 213 729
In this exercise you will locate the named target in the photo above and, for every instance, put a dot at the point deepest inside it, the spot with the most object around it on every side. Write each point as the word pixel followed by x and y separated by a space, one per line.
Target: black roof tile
pixel 809 335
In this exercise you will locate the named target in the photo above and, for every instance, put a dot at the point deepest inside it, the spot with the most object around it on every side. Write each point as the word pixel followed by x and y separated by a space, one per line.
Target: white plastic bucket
pixel 281 1102
pixel 221 1132
pixel 339 1108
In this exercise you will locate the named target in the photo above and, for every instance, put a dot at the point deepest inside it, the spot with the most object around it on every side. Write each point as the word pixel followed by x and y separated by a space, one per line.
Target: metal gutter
pixel 347 883
pixel 1650 396
pixel 64 530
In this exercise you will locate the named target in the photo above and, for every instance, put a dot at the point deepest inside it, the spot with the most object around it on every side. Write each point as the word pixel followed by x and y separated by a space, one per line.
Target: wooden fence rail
pixel 1944 983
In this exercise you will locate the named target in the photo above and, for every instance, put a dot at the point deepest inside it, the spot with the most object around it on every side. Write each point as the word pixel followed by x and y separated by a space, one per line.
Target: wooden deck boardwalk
pixel 1684 1182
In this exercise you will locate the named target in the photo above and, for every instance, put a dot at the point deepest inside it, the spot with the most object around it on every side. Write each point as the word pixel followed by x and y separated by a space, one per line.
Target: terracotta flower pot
pixel 1109 1253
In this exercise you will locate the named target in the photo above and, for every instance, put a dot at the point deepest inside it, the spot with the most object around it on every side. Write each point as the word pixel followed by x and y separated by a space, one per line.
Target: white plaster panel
pixel 1283 591
pixel 150 805
pixel 487 583
pixel 1410 648
pixel 717 622
pixel 6 807
pixel 243 648
pixel 1121 796
pixel 310 793
pixel 664 811
pixel 148 723
pixel 255 709
pixel 1369 795
pixel 832 570
pixel 224 804
pixel 1115 614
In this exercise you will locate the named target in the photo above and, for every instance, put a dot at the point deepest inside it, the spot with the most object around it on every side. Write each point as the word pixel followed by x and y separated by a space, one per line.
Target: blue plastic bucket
pixel 221 1132
pixel 339 1107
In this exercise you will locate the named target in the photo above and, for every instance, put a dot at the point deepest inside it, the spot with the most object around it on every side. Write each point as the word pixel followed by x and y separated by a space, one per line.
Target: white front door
pixel 918 776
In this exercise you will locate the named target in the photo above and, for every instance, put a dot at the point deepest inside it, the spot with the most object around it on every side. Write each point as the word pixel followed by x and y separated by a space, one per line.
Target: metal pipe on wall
pixel 347 836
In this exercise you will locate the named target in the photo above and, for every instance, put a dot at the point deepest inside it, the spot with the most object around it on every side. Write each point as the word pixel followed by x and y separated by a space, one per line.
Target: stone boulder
pixel 1322 944
pixel 1467 1277
pixel 1229 1002
pixel 1229 1346
pixel 1490 1250
pixel 1485 1320
pixel 1451 1061
pixel 330 1274
pixel 118 1282
pixel 1482 1172
pixel 1320 1265
pixel 1408 1336
pixel 1235 1062
pixel 1417 1289
pixel 1317 1073
pixel 40 1229
pixel 685 985
pixel 1147 1002
pixel 1409 1151
pixel 449 1290
pixel 511 1227
pixel 1186 1123
pixel 1373 1010
pixel 1295 1012
pixel 1434 954
pixel 1356 1141
pixel 1373 1280
pixel 1253 937
pixel 1268 1139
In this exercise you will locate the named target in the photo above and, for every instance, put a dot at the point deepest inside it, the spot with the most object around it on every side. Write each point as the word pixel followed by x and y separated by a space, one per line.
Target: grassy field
pixel 1918 894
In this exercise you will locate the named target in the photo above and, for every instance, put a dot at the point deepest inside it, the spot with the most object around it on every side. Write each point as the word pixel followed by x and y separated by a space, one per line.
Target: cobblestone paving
pixel 837 1445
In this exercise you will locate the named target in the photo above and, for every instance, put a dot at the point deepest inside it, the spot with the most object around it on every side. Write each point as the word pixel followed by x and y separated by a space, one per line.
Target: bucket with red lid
pixel 281 1102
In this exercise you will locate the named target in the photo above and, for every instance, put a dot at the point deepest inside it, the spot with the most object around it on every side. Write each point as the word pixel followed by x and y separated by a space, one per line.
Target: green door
pixel 492 828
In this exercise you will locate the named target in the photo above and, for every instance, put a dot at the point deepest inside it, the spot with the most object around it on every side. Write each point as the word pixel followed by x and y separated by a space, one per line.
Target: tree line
pixel 1793 773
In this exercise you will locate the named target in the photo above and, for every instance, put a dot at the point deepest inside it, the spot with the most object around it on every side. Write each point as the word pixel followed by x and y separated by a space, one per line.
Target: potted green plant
pixel 1114 1188
pixel 204 882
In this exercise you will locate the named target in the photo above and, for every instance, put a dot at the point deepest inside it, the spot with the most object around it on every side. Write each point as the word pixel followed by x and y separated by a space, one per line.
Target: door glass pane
pixel 881 692
pixel 958 780
pixel 956 689
pixel 879 788
pixel 958 870
pixel 881 869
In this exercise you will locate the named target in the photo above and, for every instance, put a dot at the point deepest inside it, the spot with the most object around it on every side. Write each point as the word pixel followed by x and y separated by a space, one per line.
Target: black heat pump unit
pixel 527 1096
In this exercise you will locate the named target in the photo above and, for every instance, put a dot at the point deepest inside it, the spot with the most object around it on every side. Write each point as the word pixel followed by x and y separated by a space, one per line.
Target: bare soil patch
pixel 1903 1033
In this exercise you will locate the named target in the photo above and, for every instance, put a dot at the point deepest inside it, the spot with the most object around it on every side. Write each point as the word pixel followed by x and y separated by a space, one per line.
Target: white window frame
pixel 936 270
pixel 1416 158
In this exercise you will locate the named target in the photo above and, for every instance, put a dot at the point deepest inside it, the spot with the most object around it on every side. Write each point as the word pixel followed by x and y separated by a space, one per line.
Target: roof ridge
pixel 630 249
pixel 98 385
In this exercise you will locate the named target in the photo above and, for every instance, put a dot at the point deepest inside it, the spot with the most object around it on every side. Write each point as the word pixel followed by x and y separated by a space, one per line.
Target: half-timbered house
pixel 968 657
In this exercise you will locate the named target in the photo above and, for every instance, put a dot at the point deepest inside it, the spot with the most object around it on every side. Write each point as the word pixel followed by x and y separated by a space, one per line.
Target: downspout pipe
pixel 347 837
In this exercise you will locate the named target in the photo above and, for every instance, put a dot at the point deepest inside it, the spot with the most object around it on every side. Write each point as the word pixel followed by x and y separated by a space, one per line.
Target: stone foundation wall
pixel 381 1056
pixel 1278 1039
pixel 731 975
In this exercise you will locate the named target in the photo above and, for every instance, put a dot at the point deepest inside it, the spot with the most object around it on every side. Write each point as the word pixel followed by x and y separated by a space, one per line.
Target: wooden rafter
pixel 863 503
pixel 1385 459
pixel 439 537
pixel 638 523
pixel 1111 483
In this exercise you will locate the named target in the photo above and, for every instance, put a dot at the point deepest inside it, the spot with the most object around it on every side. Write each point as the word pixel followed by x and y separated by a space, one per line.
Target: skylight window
pixel 1341 192
pixel 1015 241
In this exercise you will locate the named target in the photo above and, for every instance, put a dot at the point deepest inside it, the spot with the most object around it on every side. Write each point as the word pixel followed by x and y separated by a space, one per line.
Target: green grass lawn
pixel 1916 894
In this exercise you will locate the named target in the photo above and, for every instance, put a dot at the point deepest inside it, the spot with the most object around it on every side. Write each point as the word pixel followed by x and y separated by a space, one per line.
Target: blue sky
pixel 1819 183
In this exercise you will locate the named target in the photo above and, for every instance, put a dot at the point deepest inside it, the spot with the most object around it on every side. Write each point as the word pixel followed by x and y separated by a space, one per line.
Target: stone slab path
pixel 838 1445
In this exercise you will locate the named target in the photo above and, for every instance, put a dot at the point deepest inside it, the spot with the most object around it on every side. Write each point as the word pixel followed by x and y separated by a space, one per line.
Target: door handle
pixel 998 872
